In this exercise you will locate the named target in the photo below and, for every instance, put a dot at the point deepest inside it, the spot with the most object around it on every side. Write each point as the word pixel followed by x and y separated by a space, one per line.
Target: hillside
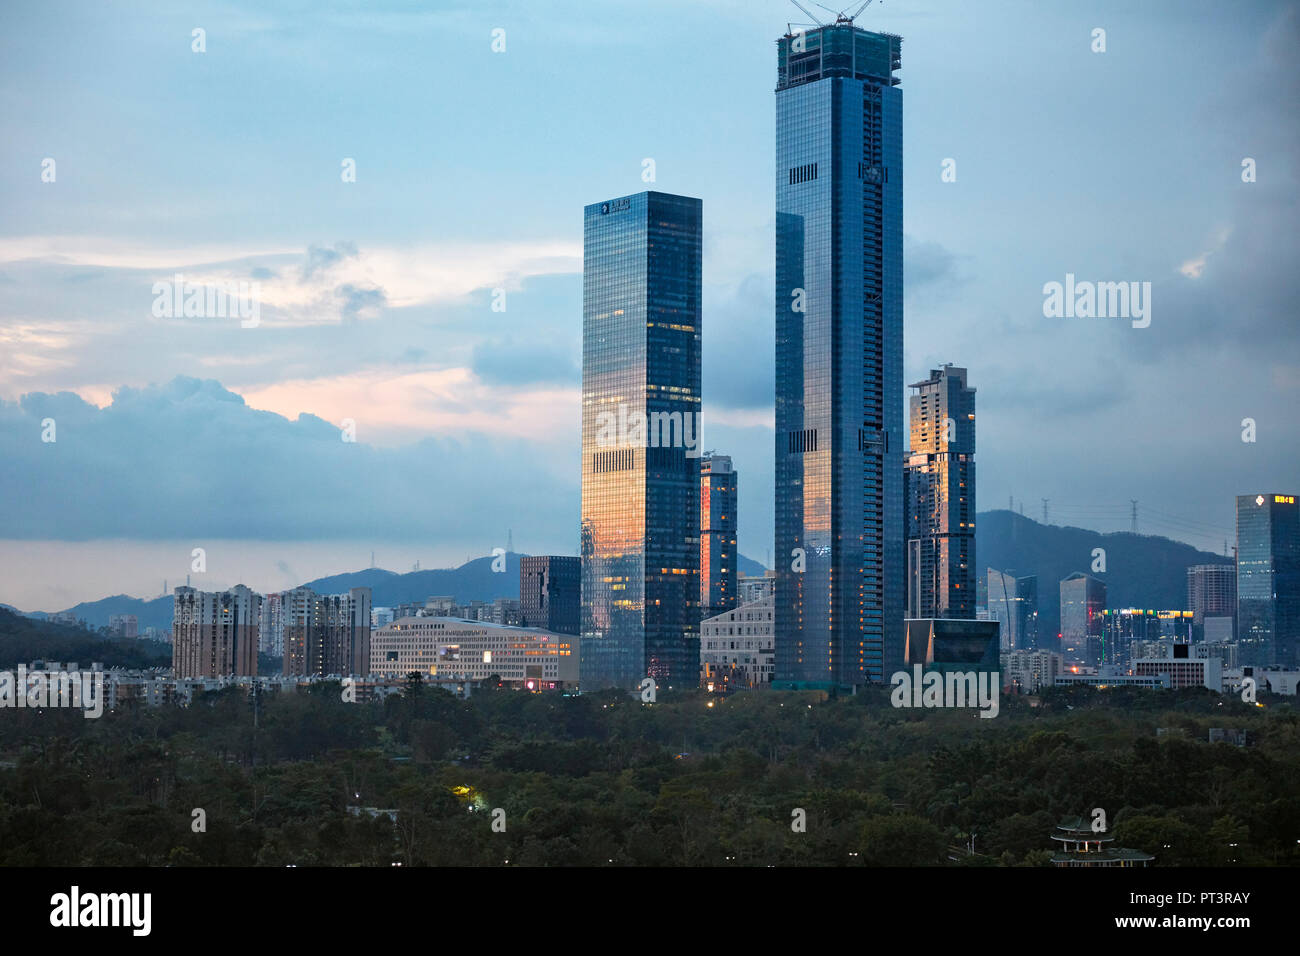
pixel 473 581
pixel 1141 570
pixel 25 639
pixel 1145 571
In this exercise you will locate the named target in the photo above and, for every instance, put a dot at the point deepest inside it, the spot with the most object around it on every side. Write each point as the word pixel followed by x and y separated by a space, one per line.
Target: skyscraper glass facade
pixel 939 490
pixel 1083 601
pixel 718 557
pixel 640 441
pixel 1268 579
pixel 839 358
pixel 1013 603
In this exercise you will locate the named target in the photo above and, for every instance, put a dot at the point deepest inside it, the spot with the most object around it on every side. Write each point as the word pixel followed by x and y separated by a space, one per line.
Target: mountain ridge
pixel 1145 570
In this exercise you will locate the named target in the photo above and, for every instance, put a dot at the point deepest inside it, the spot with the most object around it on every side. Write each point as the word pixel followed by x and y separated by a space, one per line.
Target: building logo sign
pixel 618 205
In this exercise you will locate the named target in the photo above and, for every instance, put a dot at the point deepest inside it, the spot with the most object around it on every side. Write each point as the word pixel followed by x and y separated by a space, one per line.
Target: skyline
pixel 360 309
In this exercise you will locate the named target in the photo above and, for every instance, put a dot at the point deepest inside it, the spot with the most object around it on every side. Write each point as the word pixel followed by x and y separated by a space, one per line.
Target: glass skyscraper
pixel 1013 603
pixel 718 556
pixel 839 357
pixel 939 486
pixel 1083 602
pixel 1268 579
pixel 640 441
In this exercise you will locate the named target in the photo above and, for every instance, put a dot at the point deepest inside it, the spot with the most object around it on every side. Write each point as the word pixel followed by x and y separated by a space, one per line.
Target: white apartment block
pixel 739 642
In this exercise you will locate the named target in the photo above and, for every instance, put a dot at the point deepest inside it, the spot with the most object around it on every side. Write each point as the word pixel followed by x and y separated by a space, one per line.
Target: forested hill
pixel 1142 570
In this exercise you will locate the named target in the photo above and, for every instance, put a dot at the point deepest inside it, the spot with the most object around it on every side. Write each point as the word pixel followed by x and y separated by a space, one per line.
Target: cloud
pixel 321 259
pixel 928 265
pixel 357 301
pixel 191 459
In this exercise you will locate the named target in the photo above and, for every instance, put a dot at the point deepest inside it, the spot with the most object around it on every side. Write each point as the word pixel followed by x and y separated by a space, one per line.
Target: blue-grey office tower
pixel 1268 580
pixel 641 288
pixel 839 358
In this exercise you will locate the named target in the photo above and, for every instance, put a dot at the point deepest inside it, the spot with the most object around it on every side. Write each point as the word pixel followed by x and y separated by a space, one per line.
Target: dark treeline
pixel 606 780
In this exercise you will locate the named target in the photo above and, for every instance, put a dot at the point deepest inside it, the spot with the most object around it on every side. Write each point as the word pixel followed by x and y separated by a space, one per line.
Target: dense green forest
pixel 603 779
pixel 24 639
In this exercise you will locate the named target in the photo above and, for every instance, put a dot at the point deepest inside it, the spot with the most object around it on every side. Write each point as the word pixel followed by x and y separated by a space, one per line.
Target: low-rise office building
pixel 453 649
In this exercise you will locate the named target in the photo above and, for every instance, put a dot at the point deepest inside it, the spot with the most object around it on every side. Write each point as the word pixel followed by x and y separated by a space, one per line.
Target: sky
pixel 472 166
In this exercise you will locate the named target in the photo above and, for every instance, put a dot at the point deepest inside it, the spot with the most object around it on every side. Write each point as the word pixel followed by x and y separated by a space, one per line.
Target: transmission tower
pixel 1134 526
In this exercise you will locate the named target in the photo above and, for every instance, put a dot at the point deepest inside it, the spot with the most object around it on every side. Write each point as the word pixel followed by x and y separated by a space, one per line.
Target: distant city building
pixel 840 557
pixel 271 637
pixel 1212 596
pixel 550 589
pixel 1013 603
pixel 640 531
pixel 124 625
pixel 379 616
pixel 507 611
pixel 1219 630
pixel 410 609
pixel 1112 676
pixel 1030 671
pixel 750 589
pixel 939 493
pixel 1268 579
pixel 718 554
pixel 326 634
pixel 1083 599
pixel 438 604
pixel 1176 626
pixel 473 611
pixel 215 632
pixel 1124 629
pixel 1226 651
pixel 1183 669
pixel 737 647
pixel 451 649
pixel 951 644
pixel 1284 683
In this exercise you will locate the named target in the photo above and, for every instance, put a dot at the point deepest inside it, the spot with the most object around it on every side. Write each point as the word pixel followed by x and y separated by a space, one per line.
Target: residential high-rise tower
pixel 215 633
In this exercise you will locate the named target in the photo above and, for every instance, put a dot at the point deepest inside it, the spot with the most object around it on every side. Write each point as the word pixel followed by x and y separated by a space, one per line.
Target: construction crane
pixel 840 16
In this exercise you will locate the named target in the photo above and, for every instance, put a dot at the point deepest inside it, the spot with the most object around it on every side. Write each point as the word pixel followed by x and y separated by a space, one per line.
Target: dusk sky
pixel 472 170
